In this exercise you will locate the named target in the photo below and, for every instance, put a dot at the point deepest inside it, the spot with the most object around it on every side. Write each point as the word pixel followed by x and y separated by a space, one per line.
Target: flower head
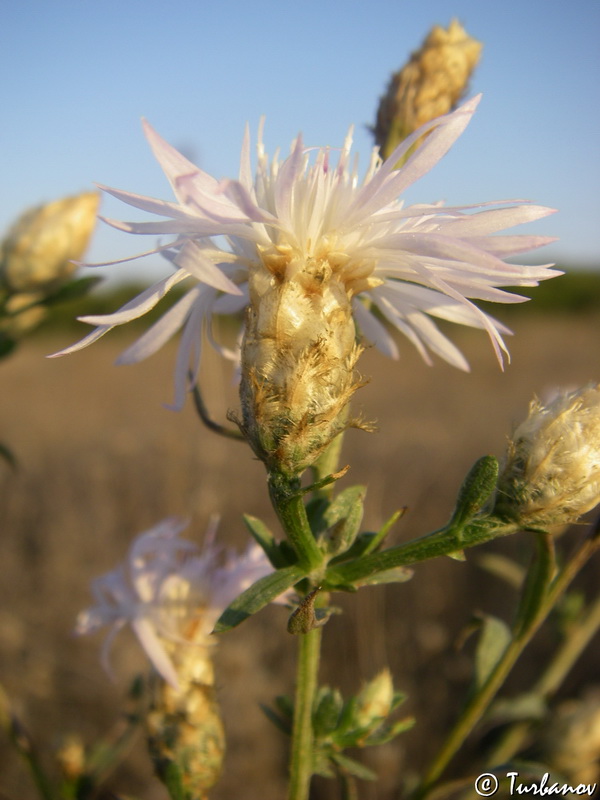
pixel 340 246
pixel 39 250
pixel 552 471
pixel 171 592
pixel 430 84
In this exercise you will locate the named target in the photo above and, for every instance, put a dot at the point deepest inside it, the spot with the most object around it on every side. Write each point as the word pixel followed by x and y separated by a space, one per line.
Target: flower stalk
pixel 301 763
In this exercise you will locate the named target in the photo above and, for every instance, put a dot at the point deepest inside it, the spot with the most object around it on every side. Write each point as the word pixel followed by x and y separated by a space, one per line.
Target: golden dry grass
pixel 101 459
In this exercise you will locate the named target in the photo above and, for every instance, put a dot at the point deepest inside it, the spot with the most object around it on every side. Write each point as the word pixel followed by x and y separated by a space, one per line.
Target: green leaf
pixel 285 706
pixel 257 596
pixel 345 504
pixel 263 536
pixel 475 490
pixel 394 575
pixel 352 767
pixel 282 724
pixel 367 542
pixel 328 707
pixel 440 543
pixel 315 511
pixel 389 732
pixel 528 706
pixel 493 641
pixel 343 518
pixel 384 530
pixel 72 290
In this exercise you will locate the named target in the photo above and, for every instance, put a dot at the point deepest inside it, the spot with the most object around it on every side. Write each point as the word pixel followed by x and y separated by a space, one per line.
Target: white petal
pixel 374 331
pixel 192 259
pixel 140 304
pixel 155 651
pixel 162 330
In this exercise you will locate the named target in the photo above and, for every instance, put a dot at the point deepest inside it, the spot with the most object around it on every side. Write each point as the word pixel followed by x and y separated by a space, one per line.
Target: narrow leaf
pixel 389 732
pixel 394 575
pixel 257 596
pixel 493 641
pixel 279 722
pixel 343 518
pixel 477 487
pixel 263 536
pixel 440 543
pixel 72 290
pixel 352 767
pixel 327 712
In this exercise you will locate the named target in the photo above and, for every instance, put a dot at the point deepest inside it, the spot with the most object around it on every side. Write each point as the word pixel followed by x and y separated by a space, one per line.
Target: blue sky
pixel 77 77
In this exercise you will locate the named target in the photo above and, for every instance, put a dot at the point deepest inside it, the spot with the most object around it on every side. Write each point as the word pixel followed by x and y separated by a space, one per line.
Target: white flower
pixel 311 214
pixel 170 591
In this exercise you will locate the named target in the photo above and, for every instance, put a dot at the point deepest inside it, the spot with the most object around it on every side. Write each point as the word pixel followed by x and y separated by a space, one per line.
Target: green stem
pixel 327 464
pixel 481 700
pixel 286 496
pixel 301 765
pixel 440 543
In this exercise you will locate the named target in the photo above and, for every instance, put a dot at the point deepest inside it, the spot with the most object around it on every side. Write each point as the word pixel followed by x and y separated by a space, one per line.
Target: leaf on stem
pixel 263 537
pixel 257 596
pixel 494 639
pixel 475 490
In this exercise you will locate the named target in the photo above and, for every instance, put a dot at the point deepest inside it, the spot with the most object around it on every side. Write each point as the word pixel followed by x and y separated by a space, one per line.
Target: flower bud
pixel 38 252
pixel 298 358
pixel 552 471
pixel 374 701
pixel 430 84
pixel 570 740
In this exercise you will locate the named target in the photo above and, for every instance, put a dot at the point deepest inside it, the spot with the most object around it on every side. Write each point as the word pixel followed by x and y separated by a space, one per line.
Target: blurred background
pixel 99 457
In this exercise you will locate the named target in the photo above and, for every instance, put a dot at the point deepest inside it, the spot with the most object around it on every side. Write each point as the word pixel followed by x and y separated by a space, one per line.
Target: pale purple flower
pixel 170 591
pixel 413 264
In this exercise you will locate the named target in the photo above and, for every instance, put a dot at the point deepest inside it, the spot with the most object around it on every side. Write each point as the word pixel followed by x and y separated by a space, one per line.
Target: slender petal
pixel 310 219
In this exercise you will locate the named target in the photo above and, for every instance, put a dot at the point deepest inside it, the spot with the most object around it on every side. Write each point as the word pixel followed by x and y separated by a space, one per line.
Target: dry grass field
pixel 101 459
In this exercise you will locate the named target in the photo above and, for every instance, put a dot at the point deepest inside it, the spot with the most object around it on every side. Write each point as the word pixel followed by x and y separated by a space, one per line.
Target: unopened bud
pixel 38 251
pixel 374 701
pixel 429 85
pixel 552 471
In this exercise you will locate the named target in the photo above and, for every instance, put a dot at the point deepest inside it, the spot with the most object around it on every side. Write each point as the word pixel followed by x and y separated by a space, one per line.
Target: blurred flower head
pixel 552 471
pixel 39 251
pixel 431 83
pixel 171 592
pixel 570 740
pixel 309 223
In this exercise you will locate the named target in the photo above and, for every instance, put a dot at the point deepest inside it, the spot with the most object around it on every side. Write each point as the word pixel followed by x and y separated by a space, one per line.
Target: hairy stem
pixel 302 735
